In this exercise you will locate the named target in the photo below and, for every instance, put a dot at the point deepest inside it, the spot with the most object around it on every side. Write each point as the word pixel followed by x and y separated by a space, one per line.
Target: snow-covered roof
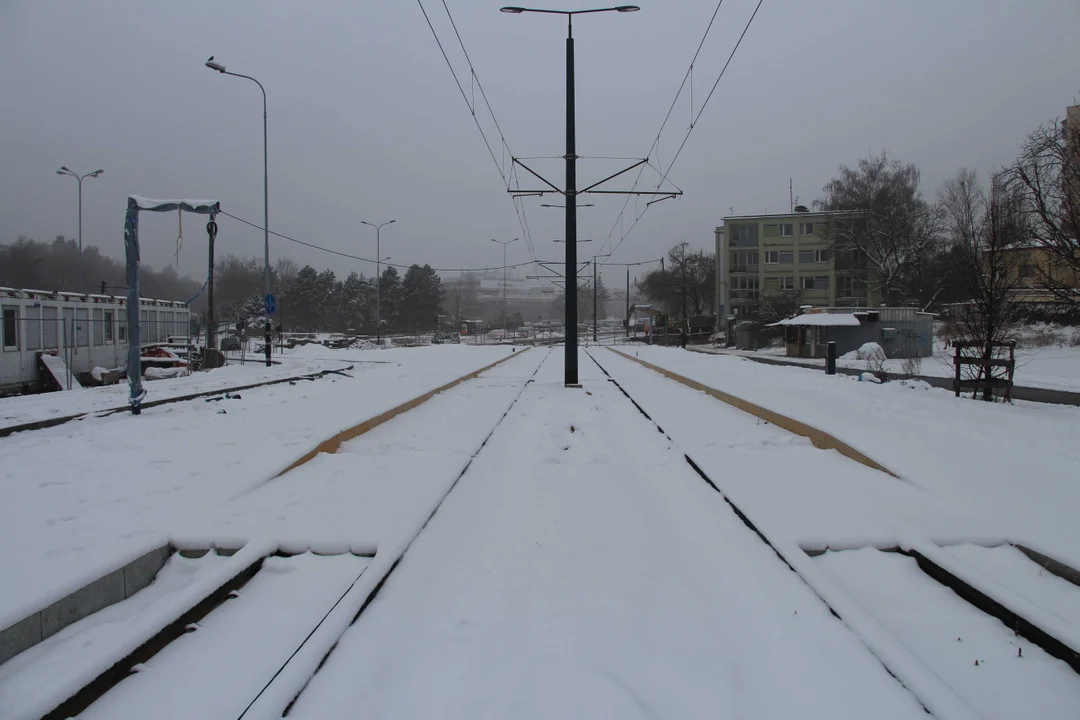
pixel 821 320
pixel 203 207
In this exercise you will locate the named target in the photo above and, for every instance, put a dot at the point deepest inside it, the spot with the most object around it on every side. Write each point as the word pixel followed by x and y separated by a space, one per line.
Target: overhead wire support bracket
pixel 539 177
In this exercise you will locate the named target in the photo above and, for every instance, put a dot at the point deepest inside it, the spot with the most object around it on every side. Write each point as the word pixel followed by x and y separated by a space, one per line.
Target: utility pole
pixel 504 243
pixel 627 301
pixel 570 191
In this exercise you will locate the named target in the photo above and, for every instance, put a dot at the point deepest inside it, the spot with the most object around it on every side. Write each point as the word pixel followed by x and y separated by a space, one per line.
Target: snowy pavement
pixel 85 498
pixel 582 569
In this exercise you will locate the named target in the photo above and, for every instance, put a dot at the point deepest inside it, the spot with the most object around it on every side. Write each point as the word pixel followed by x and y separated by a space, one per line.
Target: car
pixel 230 343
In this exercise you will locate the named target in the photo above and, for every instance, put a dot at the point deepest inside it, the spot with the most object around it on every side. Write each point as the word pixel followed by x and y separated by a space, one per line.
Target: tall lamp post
pixel 570 373
pixel 65 170
pixel 266 200
pixel 378 275
pixel 594 292
pixel 504 243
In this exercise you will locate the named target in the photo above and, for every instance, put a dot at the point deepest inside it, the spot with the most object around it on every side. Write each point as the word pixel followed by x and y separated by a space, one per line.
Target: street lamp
pixel 570 372
pixel 218 67
pixel 504 243
pixel 378 275
pixel 65 170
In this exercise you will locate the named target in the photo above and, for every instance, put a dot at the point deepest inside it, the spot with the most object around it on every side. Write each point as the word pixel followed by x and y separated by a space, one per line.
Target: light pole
pixel 65 170
pixel 594 293
pixel 504 243
pixel 570 373
pixel 266 200
pixel 378 275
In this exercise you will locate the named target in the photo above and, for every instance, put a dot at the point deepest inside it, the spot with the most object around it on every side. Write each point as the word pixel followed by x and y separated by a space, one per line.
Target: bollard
pixel 830 358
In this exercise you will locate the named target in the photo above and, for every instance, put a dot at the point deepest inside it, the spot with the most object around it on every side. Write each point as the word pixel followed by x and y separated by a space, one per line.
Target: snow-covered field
pixel 576 566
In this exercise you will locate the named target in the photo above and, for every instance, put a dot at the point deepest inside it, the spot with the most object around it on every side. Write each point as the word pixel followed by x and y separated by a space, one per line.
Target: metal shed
pixel 901 332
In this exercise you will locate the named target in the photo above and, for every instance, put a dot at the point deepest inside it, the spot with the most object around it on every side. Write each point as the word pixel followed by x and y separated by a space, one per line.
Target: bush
pixel 912 367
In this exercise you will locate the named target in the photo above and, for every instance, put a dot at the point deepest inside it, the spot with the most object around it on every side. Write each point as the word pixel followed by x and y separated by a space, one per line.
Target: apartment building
pixel 785 256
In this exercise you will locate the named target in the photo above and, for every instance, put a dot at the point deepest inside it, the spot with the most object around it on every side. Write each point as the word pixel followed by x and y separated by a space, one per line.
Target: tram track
pixel 222 617
pixel 923 681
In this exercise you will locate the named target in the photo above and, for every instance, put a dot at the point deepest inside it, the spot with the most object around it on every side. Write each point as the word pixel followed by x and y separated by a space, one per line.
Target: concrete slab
pixel 21 636
pixel 84 601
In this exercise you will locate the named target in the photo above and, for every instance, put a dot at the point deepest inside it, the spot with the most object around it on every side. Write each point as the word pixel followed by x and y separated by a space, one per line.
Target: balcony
pixel 744 269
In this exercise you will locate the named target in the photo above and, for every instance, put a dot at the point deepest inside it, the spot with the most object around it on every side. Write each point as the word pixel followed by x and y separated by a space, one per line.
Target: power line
pixel 364 259
pixel 693 122
pixel 472 110
pixel 656 141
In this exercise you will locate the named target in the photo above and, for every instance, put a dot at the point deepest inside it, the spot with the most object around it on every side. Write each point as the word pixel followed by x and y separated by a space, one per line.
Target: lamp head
pixel 215 66
pixel 514 10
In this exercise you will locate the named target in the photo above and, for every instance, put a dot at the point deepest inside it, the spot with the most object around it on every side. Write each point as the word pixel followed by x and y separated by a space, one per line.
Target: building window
pixel 787 282
pixel 815 283
pixel 786 229
pixel 51 327
pixel 806 229
pixel 744 236
pixel 11 328
pixel 787 257
pixel 813 256
pixel 744 287
pixel 779 257
pixel 744 261
pixel 1027 270
pixel 97 327
pixel 110 318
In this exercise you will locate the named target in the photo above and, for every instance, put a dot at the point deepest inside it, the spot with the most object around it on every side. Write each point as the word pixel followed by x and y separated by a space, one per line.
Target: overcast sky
pixel 365 121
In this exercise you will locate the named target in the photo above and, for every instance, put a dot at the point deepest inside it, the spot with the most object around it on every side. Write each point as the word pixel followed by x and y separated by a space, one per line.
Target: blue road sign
pixel 271 304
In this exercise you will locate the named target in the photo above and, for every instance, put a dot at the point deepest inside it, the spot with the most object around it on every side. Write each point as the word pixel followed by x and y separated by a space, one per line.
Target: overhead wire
pixel 655 146
pixel 364 259
pixel 519 210
pixel 693 122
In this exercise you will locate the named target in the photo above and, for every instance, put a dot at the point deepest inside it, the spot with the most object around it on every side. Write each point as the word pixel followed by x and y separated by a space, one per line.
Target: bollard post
pixel 830 358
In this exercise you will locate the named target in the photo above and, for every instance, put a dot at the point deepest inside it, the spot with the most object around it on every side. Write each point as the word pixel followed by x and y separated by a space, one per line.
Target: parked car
pixel 230 343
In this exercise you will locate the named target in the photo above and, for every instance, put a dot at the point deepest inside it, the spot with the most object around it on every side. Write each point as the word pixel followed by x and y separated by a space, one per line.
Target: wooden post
pixel 956 362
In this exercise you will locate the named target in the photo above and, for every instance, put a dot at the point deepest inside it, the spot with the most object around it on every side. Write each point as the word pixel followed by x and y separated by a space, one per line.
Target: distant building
pixel 789 255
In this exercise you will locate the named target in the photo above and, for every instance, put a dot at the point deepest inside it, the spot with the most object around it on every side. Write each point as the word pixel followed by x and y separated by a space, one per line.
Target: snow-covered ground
pixel 1054 367
pixel 578 565
pixel 23 409
pixel 96 494
pixel 1014 466
pixel 582 569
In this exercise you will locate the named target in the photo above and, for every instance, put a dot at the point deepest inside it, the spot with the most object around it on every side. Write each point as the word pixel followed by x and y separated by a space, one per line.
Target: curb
pixel 332 444
pixel 820 439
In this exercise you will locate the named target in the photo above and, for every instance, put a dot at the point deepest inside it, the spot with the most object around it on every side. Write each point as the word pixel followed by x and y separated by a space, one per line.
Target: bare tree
pixel 988 233
pixel 687 284
pixel 893 228
pixel 1047 173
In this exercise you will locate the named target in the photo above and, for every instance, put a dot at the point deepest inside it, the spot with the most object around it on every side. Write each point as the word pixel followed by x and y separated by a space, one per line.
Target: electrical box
pixel 888 333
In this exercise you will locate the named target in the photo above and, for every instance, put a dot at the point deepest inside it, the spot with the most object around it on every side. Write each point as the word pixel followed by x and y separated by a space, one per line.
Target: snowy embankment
pixel 582 569
pixel 23 409
pixel 83 499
